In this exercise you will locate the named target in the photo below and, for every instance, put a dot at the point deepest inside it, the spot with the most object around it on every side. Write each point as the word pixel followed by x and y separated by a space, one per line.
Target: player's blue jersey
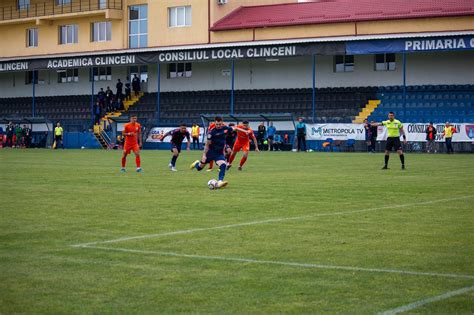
pixel 218 138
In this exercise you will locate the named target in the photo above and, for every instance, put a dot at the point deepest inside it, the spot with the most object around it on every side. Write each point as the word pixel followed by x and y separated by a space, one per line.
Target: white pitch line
pixel 129 238
pixel 122 239
pixel 411 306
pixel 284 263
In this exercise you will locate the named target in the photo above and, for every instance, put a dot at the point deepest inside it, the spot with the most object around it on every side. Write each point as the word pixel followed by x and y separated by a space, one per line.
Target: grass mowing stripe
pixel 411 306
pixel 122 239
pixel 284 263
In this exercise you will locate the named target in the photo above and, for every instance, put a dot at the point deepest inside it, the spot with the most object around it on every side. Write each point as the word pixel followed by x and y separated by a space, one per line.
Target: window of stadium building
pixel 62 2
pixel 68 76
pixel 179 16
pixel 23 4
pixel 140 71
pixel 101 31
pixel 68 34
pixel 180 70
pixel 32 37
pixel 137 26
pixel 29 77
pixel 101 74
pixel 344 63
pixel 385 62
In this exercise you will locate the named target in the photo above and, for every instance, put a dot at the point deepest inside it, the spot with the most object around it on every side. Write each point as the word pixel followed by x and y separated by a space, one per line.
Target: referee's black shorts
pixel 393 143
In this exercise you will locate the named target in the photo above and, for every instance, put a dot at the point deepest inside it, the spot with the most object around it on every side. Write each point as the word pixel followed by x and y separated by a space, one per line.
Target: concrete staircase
pixel 366 111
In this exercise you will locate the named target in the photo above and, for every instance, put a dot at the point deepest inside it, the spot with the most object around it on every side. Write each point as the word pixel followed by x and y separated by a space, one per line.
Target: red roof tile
pixel 334 11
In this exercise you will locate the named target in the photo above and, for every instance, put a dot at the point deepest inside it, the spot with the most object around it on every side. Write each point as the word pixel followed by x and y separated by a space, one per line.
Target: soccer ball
pixel 212 184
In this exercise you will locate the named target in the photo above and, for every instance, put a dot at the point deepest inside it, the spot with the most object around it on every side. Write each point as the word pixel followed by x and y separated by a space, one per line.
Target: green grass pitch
pixel 326 233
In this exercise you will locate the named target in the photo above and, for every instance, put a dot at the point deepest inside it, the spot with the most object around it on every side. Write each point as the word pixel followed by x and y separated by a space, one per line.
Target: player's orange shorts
pixel 131 147
pixel 239 145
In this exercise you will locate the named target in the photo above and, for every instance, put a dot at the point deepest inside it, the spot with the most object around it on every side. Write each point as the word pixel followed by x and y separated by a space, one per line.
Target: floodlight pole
pixel 34 95
pixel 232 90
pixel 404 85
pixel 158 92
pixel 313 97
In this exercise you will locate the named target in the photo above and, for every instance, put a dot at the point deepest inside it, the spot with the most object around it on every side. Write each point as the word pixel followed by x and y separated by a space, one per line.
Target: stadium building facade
pixel 235 54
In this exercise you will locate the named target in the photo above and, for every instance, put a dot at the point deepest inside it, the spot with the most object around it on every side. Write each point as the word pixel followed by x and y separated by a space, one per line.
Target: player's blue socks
pixel 222 171
pixel 198 167
pixel 173 160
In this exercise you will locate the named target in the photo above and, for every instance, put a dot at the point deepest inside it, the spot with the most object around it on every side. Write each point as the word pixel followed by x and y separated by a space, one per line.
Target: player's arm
pixel 206 149
pixel 165 135
pixel 402 132
pixel 240 129
pixel 139 135
pixel 254 142
pixel 188 144
pixel 376 124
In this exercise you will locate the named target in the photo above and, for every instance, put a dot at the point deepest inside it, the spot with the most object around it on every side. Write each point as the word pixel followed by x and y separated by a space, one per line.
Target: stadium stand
pixel 333 104
pixel 73 111
pixel 425 103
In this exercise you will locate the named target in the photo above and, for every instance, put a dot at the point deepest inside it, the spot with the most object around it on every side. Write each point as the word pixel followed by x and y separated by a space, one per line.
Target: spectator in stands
pixel 96 111
pixel 10 130
pixel 109 95
pixel 373 136
pixel 277 142
pixel 261 135
pixel 448 133
pixel 128 91
pixel 195 136
pixel 58 136
pixel 111 105
pixel 301 134
pixel 119 87
pixel 119 104
pixel 136 85
pixel 26 136
pixel 101 97
pixel 271 131
pixel 367 132
pixel 18 135
pixel 430 138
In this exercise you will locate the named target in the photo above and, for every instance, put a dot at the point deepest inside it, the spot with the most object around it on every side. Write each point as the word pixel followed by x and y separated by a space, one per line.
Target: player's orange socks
pixel 243 160
pixel 124 160
pixel 211 164
pixel 137 160
pixel 232 157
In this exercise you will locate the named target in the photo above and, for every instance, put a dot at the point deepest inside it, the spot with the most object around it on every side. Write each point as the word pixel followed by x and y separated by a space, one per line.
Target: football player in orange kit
pixel 132 132
pixel 243 143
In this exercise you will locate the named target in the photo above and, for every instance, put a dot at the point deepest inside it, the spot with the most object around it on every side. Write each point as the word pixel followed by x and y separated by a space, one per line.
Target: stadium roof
pixel 336 11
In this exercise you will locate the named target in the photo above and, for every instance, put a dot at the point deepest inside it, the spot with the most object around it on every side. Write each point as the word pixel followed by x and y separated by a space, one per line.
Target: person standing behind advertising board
pixel 448 133
pixel 195 136
pixel 301 134
pixel 430 138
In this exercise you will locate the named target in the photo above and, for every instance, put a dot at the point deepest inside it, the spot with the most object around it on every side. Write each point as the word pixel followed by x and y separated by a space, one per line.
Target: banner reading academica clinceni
pixel 414 132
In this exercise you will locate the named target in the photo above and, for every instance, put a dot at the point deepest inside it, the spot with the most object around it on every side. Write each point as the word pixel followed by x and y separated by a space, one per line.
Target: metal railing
pixel 57 7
